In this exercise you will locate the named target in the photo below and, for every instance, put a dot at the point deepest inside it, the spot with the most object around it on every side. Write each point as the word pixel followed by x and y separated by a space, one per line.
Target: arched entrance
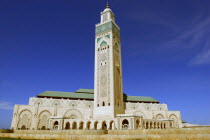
pixel 95 125
pixel 23 127
pixel 43 128
pixel 81 125
pixel 103 126
pixel 88 125
pixel 125 124
pixel 67 125
pixel 147 125
pixel 74 125
pixel 55 125
pixel 137 124
pixel 112 125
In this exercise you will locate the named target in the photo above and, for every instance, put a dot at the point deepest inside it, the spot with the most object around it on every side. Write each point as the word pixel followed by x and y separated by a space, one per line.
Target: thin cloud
pixel 6 105
pixel 196 37
pixel 202 58
pixel 195 33
pixel 185 39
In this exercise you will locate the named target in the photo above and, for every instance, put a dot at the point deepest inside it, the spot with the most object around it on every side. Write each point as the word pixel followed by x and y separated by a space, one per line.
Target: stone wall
pixel 168 134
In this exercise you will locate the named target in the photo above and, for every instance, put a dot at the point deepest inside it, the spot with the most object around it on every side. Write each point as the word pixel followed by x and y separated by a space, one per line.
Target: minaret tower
pixel 108 93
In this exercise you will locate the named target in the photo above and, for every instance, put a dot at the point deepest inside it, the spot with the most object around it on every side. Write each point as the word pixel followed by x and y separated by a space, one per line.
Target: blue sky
pixel 49 45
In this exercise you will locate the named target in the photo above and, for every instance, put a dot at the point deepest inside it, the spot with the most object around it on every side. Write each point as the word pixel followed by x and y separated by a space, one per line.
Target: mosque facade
pixel 104 108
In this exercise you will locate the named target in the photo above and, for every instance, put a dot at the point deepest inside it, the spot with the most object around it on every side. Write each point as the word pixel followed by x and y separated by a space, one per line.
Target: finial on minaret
pixel 107 4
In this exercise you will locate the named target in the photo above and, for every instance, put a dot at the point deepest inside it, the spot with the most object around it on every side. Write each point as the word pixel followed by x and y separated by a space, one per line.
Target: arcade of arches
pixel 72 119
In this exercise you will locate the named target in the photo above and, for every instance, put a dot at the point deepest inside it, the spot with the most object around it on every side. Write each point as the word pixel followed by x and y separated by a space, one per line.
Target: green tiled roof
pixel 73 95
pixel 140 99
pixel 89 94
pixel 81 90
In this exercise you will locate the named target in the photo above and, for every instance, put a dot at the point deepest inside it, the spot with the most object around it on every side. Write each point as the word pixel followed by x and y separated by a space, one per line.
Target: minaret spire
pixel 107 4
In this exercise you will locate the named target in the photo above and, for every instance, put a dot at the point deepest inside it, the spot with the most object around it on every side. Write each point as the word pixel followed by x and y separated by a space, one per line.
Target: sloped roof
pixel 140 99
pixel 72 95
pixel 81 90
pixel 89 95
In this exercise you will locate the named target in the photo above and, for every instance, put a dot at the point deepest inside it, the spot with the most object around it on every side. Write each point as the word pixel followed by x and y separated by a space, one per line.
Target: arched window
pixel 103 104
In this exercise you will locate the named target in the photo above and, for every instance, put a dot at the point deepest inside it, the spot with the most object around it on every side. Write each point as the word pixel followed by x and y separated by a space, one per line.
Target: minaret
pixel 108 93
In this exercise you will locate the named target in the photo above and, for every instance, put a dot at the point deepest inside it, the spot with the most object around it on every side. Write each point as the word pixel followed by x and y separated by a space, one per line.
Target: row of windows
pixel 103 104
pixel 103 63
pixel 103 48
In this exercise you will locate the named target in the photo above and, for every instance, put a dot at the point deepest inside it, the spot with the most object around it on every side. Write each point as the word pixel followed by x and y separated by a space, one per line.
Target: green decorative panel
pixel 108 36
pixel 107 27
pixel 102 43
pixel 98 39
pixel 115 30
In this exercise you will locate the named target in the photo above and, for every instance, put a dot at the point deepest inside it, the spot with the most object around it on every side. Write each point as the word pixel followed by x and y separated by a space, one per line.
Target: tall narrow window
pixel 103 104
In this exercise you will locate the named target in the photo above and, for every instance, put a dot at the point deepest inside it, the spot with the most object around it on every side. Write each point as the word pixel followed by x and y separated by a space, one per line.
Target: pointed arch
pixel 43 122
pixel 160 116
pixel 175 120
pixel 72 114
pixel 25 119
pixel 139 113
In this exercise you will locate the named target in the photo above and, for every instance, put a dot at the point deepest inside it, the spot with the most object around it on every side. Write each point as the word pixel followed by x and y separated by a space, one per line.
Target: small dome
pixel 107 9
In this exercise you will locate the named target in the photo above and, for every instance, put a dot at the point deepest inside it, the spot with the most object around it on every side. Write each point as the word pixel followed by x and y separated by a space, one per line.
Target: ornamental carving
pixel 103 85
pixel 107 27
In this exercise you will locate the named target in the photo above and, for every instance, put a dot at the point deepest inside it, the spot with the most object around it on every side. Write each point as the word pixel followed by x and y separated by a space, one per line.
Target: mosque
pixel 104 108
